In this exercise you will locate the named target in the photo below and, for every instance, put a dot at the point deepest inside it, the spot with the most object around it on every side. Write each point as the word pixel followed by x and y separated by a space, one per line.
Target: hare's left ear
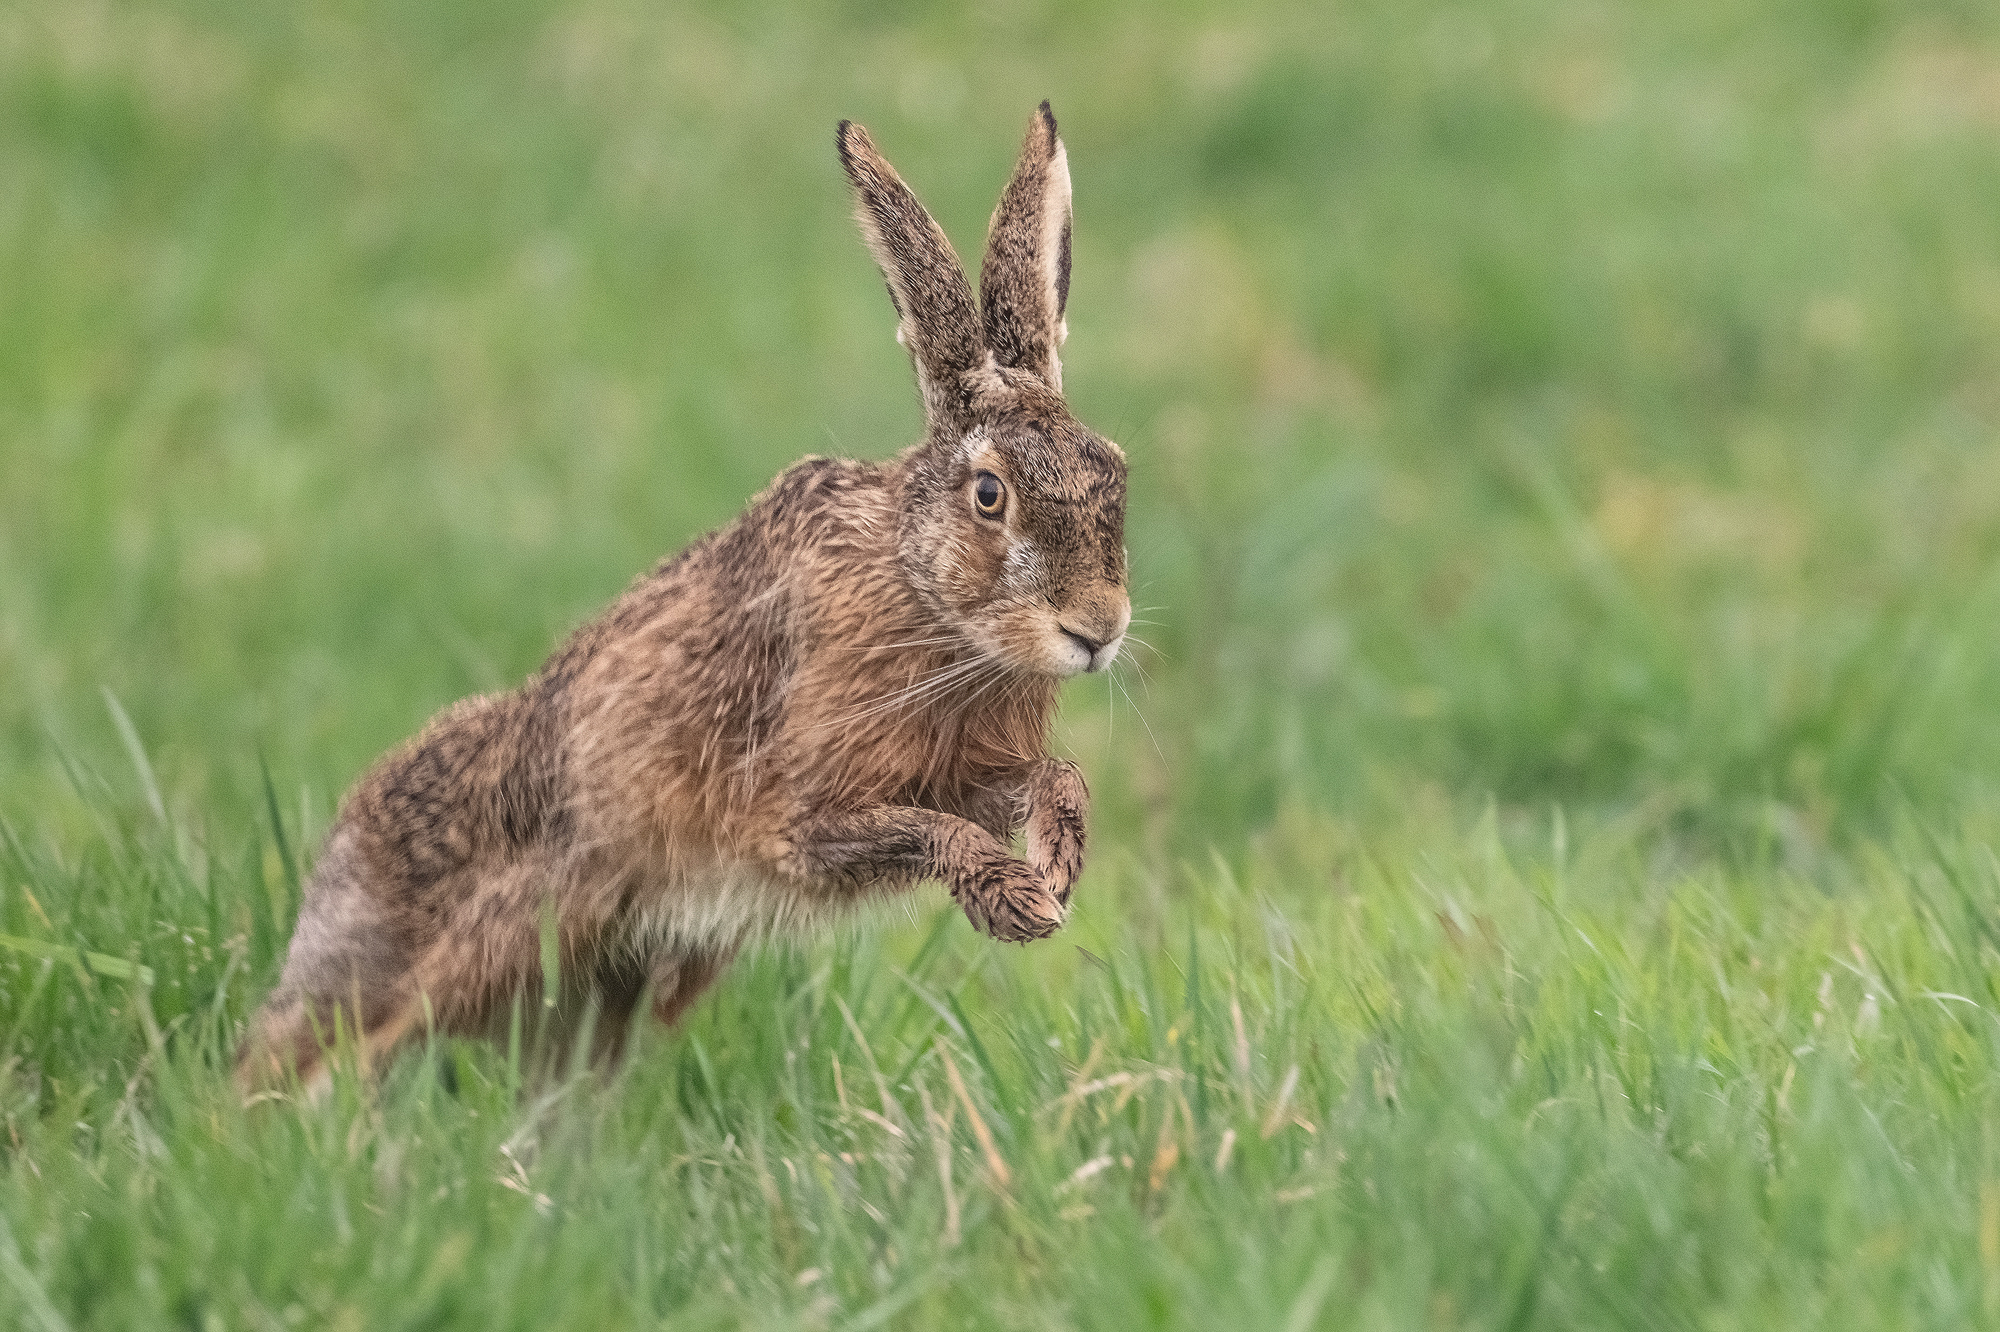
pixel 1024 279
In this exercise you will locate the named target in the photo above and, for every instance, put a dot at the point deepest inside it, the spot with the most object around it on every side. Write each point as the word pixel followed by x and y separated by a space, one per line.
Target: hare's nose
pixel 1091 645
pixel 1096 627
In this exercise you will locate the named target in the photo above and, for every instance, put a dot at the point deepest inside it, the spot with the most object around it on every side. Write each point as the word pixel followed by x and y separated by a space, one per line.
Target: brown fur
pixel 842 693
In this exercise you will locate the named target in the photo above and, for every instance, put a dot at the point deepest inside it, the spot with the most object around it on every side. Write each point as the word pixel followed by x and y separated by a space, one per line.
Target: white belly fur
pixel 725 908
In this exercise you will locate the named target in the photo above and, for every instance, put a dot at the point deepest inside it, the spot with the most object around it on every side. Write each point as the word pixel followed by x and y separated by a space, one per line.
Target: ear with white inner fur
pixel 933 299
pixel 1024 280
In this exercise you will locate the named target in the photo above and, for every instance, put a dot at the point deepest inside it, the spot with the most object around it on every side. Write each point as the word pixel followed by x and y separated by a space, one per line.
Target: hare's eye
pixel 988 494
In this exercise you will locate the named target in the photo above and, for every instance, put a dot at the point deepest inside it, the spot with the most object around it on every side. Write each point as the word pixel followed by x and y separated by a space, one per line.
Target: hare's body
pixel 844 691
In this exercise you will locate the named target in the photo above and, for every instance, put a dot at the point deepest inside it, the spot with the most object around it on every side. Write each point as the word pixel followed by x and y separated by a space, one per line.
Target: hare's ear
pixel 928 286
pixel 1024 281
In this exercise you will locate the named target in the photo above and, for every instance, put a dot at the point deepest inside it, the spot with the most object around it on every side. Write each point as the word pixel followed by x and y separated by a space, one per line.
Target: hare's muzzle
pixel 1092 631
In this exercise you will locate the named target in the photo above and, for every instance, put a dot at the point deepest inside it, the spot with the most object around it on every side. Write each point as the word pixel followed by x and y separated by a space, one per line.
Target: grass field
pixel 1544 866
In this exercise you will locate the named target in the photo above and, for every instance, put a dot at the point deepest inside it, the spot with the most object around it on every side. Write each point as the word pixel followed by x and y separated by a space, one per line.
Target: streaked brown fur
pixel 843 692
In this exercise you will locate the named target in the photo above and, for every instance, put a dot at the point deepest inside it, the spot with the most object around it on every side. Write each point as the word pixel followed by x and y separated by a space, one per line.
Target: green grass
pixel 1554 846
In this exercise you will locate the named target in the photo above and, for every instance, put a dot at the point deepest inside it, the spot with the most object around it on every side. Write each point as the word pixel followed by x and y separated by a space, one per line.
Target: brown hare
pixel 843 692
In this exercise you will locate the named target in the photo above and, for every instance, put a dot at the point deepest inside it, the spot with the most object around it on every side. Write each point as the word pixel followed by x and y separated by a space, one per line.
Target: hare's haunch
pixel 845 691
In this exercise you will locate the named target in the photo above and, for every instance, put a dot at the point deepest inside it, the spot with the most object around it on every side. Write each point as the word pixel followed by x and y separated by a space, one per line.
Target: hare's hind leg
pixel 588 1022
pixel 680 977
pixel 297 1035
pixel 487 970
pixel 347 971
pixel 593 1022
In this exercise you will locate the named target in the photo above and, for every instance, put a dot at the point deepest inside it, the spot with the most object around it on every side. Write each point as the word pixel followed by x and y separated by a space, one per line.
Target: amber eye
pixel 988 494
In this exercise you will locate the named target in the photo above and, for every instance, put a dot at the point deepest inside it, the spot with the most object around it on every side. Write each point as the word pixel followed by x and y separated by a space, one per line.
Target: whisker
pixel 1141 716
pixel 938 680
pixel 1000 673
pixel 912 643
pixel 930 685
pixel 1137 641
pixel 958 673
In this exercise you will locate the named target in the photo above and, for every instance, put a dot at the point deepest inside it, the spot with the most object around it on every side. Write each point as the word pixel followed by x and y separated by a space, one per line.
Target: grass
pixel 1487 1074
pixel 1552 883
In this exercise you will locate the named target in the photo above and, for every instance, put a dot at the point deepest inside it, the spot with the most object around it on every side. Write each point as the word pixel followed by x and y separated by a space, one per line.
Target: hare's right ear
pixel 939 324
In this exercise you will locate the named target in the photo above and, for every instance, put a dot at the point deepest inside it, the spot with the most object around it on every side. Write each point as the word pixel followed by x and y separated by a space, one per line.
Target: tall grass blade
pixel 137 753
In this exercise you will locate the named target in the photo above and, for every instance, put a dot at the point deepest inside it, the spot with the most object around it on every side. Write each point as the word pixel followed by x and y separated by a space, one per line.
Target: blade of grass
pixel 103 964
pixel 137 752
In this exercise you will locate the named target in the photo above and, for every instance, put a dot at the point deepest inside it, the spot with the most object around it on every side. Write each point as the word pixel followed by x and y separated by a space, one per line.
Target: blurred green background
pixel 1542 861
pixel 1552 401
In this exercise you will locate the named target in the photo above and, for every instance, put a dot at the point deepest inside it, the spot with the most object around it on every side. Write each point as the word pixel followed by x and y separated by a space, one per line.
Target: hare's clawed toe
pixel 1011 903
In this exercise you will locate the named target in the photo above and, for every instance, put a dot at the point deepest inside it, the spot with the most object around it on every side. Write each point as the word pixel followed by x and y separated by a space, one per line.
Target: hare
pixel 842 693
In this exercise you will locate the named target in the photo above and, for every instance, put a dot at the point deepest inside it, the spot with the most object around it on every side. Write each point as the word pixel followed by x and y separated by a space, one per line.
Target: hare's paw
pixel 1057 803
pixel 1010 902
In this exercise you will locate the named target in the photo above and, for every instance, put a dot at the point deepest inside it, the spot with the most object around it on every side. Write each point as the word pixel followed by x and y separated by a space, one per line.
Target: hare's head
pixel 1014 514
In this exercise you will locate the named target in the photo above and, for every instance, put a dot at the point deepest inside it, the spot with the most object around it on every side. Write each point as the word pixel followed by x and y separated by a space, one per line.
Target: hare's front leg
pixel 1002 896
pixel 1056 802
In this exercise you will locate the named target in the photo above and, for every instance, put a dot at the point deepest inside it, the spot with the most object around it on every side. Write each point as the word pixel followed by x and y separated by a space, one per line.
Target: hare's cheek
pixel 1022 570
pixel 1025 637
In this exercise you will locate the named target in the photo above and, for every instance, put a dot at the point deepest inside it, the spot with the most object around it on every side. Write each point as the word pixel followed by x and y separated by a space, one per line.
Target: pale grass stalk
pixel 890 1109
pixel 1070 1101
pixel 1084 1173
pixel 1166 1151
pixel 941 1144
pixel 1278 1117
pixel 1242 1046
pixel 1001 1176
